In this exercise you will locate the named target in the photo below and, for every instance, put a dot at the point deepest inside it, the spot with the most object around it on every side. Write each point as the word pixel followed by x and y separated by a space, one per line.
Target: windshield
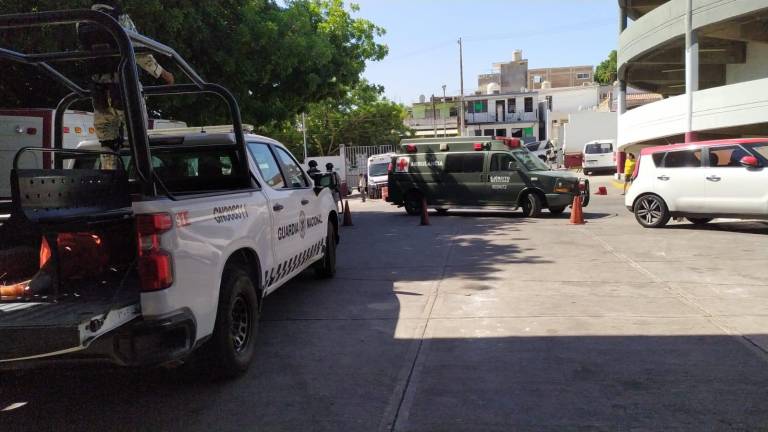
pixel 598 148
pixel 531 162
pixel 760 148
pixel 378 169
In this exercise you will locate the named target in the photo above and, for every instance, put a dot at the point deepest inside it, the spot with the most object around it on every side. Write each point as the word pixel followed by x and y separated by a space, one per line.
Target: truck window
pixel 598 148
pixel 197 170
pixel 500 161
pixel 267 165
pixel 464 163
pixel 293 173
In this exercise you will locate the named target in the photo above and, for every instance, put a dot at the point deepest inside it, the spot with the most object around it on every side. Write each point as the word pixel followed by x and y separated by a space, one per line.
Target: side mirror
pixel 749 162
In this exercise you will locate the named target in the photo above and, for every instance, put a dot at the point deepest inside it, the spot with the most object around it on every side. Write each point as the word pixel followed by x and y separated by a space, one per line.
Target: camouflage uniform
pixel 109 116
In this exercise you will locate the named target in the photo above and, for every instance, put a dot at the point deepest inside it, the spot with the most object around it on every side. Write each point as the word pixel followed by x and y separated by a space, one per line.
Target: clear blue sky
pixel 422 35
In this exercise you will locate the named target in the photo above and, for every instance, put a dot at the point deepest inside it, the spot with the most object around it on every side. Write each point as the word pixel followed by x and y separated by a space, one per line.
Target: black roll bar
pixel 128 43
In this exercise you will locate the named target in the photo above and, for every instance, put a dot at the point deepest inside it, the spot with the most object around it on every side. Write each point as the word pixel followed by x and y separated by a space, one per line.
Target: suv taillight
pixel 637 167
pixel 155 264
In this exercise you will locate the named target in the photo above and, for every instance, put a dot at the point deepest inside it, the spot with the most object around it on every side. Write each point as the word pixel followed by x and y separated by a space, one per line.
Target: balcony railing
pixel 428 121
pixel 492 117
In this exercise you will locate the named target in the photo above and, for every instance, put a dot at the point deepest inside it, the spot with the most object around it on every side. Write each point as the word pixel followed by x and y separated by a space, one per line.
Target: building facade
pixel 431 120
pixel 708 59
pixel 569 76
pixel 507 77
pixel 503 114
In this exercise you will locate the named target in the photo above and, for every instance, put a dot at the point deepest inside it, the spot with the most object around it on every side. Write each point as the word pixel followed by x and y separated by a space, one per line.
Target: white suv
pixel 701 181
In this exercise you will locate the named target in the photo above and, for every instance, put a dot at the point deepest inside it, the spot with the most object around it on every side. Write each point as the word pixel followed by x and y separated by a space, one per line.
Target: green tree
pixel 361 116
pixel 276 59
pixel 606 72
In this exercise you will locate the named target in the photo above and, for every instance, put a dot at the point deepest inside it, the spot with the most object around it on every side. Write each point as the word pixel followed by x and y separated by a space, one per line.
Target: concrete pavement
pixel 478 322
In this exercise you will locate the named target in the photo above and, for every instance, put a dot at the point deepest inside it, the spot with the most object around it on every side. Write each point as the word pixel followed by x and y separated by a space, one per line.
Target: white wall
pixel 570 100
pixel 588 126
pixel 720 107
pixel 756 66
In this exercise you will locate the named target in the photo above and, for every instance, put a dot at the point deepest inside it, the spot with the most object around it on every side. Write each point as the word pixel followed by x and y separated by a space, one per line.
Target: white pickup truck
pixel 169 254
pixel 177 273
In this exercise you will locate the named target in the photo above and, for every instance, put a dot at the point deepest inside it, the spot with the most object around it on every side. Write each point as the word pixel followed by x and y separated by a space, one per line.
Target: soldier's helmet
pixel 312 163
pixel 329 166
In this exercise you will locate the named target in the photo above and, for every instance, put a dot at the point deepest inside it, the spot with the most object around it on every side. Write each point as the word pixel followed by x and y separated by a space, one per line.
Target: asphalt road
pixel 478 322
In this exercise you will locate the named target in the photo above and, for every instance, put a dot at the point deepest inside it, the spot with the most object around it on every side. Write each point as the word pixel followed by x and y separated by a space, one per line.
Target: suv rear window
pixel 598 148
pixel 683 159
pixel 464 163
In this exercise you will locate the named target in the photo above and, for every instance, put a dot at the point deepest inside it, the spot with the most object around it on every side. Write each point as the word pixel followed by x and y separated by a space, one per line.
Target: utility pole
pixel 461 95
pixel 434 114
pixel 444 133
pixel 304 132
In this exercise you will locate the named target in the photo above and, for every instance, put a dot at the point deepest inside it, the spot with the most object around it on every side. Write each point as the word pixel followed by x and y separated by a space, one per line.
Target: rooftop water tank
pixel 492 88
pixel 546 85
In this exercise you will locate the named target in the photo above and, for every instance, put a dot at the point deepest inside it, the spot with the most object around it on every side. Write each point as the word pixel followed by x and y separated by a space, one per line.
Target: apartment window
pixel 511 105
pixel 537 79
pixel 478 106
pixel 583 76
pixel 549 103
pixel 488 132
pixel 453 112
pixel 529 104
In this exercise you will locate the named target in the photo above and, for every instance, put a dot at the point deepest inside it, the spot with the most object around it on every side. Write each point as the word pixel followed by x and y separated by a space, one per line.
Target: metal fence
pixel 357 160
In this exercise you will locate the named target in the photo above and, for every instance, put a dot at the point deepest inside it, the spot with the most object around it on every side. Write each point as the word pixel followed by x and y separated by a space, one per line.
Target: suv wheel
pixel 651 211
pixel 326 267
pixel 699 221
pixel 413 203
pixel 531 205
pixel 231 347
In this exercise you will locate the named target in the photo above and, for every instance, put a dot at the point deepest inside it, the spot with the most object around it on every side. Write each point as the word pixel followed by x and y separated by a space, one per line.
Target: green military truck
pixel 478 172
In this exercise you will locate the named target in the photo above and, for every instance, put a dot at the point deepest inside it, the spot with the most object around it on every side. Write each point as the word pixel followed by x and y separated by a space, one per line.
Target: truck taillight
pixel 389 167
pixel 155 264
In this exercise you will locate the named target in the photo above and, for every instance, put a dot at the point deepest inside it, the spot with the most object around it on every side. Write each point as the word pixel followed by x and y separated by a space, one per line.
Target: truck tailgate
pixel 29 330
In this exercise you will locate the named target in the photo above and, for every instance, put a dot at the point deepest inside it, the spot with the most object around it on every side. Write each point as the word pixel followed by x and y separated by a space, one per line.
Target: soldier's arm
pixel 146 61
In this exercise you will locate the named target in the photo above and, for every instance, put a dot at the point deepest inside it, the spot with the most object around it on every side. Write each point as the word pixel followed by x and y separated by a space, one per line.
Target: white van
pixel 598 156
pixel 378 173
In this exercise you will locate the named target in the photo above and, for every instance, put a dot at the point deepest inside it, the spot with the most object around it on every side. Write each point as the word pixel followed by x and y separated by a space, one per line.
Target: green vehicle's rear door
pixel 463 178
pixel 505 181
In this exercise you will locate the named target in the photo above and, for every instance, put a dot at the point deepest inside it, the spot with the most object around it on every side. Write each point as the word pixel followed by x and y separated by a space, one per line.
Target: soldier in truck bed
pixel 105 85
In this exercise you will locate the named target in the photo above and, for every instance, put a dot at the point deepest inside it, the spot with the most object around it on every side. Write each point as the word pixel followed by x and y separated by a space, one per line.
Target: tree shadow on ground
pixel 352 354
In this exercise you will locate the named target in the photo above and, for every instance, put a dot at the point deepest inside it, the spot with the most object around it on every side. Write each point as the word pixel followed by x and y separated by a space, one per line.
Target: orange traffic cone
pixel 424 214
pixel 602 190
pixel 577 217
pixel 347 215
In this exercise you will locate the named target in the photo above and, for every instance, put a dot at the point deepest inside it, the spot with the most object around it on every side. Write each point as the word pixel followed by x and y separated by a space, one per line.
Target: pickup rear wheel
pixel 413 203
pixel 326 267
pixel 231 347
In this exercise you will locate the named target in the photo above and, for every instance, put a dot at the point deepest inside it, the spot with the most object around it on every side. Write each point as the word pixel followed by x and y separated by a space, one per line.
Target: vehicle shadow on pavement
pixel 402 339
pixel 745 227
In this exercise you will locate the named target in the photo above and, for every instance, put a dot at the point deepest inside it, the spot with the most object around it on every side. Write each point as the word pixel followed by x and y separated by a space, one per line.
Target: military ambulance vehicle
pixel 479 172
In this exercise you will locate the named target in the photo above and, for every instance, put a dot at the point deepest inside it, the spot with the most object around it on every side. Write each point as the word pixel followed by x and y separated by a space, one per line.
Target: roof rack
pixel 128 44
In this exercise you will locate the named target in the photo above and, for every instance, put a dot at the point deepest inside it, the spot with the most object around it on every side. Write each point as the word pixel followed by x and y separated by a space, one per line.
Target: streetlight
pixel 444 133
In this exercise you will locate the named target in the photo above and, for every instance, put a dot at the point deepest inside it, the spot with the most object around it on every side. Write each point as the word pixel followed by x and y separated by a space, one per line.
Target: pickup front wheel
pixel 231 347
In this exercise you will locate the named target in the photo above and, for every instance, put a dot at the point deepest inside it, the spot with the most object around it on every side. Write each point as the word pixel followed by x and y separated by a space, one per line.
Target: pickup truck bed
pixel 31 329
